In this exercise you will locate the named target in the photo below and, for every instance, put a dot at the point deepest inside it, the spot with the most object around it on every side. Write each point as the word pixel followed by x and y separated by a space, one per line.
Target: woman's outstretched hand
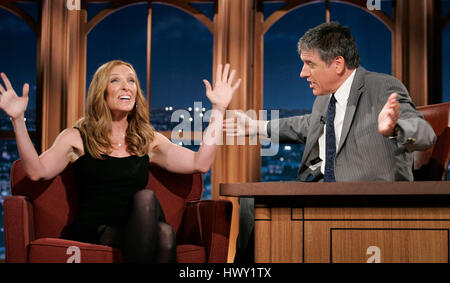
pixel 13 105
pixel 220 96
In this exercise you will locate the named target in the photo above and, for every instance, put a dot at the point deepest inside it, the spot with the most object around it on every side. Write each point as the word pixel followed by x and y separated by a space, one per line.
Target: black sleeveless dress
pixel 106 188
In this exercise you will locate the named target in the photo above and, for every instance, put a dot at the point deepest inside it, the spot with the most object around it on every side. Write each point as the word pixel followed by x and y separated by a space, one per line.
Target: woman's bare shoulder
pixel 72 137
pixel 158 141
pixel 70 133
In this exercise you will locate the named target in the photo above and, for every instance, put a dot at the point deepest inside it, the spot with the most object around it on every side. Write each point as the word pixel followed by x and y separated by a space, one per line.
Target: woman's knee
pixel 145 199
pixel 167 235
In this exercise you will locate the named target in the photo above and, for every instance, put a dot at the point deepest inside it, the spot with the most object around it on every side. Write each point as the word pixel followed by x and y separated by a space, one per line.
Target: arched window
pixel 181 57
pixel 18 62
pixel 182 53
pixel 285 91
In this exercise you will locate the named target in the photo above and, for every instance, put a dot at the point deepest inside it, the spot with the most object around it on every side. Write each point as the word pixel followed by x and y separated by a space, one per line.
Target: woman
pixel 110 149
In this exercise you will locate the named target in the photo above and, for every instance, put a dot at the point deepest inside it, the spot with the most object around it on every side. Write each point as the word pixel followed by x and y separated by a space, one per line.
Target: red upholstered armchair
pixel 38 212
pixel 431 165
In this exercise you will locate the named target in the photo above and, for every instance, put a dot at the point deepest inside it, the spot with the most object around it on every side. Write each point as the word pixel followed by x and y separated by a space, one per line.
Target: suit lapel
pixel 355 93
pixel 316 127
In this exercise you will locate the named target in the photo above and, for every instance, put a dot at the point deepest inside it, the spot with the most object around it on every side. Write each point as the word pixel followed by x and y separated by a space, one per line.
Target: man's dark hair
pixel 331 40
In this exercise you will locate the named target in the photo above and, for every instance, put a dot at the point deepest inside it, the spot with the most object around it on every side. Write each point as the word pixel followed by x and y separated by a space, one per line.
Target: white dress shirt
pixel 341 96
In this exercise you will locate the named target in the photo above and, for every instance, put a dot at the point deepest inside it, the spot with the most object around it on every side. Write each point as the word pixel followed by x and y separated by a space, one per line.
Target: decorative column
pixel 61 68
pixel 418 52
pixel 76 45
pixel 236 42
pixel 417 49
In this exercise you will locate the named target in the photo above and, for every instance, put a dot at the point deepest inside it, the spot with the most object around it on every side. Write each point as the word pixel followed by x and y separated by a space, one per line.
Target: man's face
pixel 322 78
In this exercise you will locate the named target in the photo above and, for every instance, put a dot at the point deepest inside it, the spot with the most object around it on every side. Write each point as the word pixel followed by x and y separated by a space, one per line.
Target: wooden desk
pixel 349 222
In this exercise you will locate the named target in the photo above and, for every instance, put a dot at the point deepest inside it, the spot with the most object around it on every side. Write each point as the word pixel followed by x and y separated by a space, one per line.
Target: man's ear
pixel 339 64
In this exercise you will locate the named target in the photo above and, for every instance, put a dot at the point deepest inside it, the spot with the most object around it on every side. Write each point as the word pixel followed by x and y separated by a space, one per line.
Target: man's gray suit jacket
pixel 363 153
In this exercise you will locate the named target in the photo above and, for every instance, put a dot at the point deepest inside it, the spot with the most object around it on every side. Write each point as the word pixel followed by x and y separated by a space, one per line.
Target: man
pixel 363 125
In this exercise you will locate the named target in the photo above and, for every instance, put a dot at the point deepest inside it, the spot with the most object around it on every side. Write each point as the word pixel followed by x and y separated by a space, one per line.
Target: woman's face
pixel 121 90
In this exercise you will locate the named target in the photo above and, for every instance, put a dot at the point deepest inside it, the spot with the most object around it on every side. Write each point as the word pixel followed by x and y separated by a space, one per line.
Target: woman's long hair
pixel 96 125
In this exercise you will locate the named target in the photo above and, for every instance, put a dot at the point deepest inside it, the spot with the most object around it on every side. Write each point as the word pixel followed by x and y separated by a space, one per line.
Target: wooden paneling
pixel 376 213
pixel 398 241
pixel 351 235
pixel 278 235
pixel 263 234
pixel 286 237
pixel 407 245
pixel 345 229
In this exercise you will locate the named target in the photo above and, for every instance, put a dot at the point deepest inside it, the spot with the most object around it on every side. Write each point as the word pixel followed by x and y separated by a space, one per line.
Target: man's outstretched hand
pixel 388 117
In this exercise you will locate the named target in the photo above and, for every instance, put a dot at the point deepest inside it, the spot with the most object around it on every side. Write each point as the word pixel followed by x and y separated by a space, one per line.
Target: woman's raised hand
pixel 221 94
pixel 13 105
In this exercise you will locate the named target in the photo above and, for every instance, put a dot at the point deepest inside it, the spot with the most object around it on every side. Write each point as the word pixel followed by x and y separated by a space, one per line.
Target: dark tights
pixel 146 237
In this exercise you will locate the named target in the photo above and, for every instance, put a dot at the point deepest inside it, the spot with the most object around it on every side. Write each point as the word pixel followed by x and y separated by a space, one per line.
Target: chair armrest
pixel 207 223
pixel 19 227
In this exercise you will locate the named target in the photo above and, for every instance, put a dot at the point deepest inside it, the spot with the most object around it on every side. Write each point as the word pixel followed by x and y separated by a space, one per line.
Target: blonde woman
pixel 110 149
